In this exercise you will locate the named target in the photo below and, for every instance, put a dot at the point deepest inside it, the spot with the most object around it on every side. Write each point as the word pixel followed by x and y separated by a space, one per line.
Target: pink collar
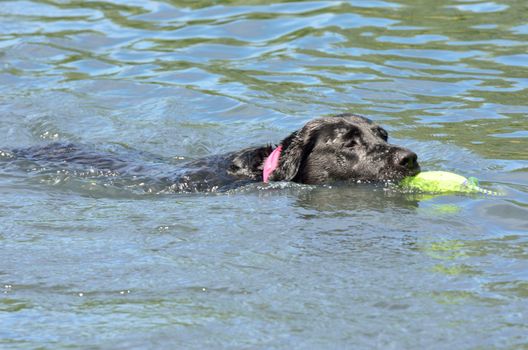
pixel 271 163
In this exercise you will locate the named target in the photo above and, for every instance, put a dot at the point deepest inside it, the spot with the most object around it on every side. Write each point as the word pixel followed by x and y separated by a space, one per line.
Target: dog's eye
pixel 351 143
pixel 352 138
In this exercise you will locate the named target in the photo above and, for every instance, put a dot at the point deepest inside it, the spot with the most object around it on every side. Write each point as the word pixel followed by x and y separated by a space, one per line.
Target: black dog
pixel 342 148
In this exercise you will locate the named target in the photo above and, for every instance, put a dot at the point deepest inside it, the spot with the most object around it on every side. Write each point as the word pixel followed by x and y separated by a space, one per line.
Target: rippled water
pixel 281 266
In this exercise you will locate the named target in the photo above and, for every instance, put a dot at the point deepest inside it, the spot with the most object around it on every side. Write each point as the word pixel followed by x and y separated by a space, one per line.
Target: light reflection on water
pixel 282 266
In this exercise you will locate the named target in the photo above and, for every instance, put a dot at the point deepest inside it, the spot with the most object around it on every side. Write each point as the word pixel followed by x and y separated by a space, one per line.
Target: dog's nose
pixel 406 159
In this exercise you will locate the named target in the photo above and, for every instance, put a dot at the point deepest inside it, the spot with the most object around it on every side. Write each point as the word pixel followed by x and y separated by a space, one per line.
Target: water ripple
pixel 95 259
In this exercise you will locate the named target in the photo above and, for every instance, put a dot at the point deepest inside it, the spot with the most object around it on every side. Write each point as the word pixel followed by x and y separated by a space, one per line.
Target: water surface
pixel 85 264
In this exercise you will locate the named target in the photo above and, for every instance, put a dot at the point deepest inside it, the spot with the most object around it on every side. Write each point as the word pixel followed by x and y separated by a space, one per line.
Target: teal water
pixel 87 265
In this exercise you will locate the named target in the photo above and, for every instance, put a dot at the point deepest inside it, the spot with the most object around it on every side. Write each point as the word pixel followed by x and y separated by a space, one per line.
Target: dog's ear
pixel 295 150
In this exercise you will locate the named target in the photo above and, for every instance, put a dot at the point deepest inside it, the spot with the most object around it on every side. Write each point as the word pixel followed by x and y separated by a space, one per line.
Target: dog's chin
pixel 398 174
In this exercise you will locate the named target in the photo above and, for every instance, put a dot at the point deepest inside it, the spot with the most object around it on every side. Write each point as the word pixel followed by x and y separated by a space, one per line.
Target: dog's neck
pixel 271 163
pixel 249 163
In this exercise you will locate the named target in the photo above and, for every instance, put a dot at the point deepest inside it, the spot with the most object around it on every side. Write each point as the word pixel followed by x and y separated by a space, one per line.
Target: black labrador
pixel 342 148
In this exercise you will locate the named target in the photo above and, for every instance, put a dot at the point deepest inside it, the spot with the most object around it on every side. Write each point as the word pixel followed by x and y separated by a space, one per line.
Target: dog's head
pixel 346 147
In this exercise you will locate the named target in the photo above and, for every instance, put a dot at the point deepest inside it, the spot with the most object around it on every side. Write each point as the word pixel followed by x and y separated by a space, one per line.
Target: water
pixel 282 266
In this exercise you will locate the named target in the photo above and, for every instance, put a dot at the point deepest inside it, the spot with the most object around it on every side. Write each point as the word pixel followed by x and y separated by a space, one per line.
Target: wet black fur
pixel 342 148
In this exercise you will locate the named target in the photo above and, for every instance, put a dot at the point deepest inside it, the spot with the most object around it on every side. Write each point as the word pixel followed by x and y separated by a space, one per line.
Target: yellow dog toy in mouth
pixel 443 182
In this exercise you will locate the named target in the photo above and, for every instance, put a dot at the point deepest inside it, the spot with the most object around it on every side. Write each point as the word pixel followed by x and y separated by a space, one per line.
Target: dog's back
pixel 124 169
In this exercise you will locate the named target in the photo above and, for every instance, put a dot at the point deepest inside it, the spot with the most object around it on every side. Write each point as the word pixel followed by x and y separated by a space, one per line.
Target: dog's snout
pixel 406 159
